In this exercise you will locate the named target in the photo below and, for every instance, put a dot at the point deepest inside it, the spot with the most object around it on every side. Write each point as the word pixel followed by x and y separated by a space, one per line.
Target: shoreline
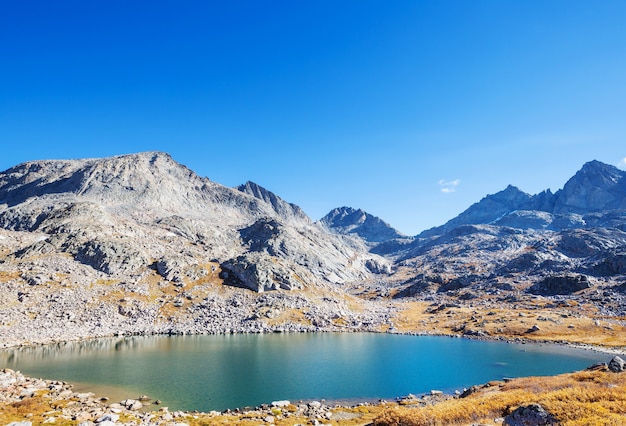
pixel 345 402
pixel 613 350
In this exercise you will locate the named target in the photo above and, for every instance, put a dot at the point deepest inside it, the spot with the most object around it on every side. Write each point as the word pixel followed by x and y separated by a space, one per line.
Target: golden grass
pixel 30 409
pixel 571 323
pixel 292 315
pixel 9 276
pixel 577 399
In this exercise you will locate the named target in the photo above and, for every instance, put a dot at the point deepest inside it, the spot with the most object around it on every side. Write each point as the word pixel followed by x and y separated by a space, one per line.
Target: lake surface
pixel 217 372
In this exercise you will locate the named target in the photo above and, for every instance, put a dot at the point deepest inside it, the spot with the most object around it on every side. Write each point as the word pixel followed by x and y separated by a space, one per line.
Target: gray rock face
pixel 560 285
pixel 260 272
pixel 284 209
pixel 104 212
pixel 530 415
pixel 110 257
pixel 346 220
pixel 612 264
pixel 596 187
pixel 617 365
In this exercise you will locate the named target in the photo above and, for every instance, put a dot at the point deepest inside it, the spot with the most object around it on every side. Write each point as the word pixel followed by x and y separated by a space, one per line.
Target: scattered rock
pixel 561 285
pixel 108 418
pixel 617 365
pixel 598 366
pixel 530 415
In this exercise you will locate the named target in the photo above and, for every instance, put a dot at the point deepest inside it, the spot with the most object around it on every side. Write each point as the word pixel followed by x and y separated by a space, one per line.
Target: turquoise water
pixel 217 372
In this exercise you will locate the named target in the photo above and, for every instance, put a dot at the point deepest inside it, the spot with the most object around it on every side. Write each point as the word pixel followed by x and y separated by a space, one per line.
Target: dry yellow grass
pixel 296 316
pixel 31 409
pixel 578 399
pixel 9 276
pixel 570 323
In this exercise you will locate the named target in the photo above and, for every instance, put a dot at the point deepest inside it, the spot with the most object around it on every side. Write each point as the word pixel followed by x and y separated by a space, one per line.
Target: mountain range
pixel 140 243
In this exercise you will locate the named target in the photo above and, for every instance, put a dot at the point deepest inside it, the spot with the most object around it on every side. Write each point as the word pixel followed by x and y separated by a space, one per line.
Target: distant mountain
pixel 596 188
pixel 349 221
pixel 546 244
pixel 487 210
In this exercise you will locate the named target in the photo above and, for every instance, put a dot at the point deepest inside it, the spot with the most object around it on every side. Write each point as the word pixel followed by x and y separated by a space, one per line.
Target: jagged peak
pixel 509 192
pixel 280 206
pixel 252 187
pixel 596 165
pixel 598 168
pixel 345 211
pixel 348 220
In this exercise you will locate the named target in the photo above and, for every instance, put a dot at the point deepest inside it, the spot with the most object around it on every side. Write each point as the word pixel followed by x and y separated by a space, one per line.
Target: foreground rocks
pixel 530 415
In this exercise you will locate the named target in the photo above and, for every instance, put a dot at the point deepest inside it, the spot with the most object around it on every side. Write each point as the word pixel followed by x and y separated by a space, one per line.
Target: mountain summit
pixel 346 220
pixel 596 188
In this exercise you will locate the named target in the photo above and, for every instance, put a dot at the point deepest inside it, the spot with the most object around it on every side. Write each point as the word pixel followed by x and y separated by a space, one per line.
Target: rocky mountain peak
pixel 287 211
pixel 347 220
pixel 488 210
pixel 595 187
pixel 148 178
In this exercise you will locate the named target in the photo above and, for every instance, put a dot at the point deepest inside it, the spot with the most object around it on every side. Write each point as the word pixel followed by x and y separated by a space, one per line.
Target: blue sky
pixel 411 110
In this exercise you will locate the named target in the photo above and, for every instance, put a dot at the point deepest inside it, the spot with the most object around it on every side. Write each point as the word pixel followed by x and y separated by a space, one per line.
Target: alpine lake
pixel 207 373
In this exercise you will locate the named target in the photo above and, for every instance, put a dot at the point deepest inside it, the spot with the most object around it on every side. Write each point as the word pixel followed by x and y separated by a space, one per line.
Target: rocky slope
pixel 139 243
pixel 512 245
pixel 569 244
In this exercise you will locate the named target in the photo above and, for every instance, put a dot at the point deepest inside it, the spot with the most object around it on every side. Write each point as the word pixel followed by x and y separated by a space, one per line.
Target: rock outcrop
pixel 560 285
pixel 349 221
pixel 530 415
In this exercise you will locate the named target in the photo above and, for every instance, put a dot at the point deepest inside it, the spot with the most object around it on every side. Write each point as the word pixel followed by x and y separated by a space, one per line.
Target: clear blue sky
pixel 411 110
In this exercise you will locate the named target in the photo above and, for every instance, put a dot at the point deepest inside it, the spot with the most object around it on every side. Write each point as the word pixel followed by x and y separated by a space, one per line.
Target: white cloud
pixel 448 186
pixel 622 163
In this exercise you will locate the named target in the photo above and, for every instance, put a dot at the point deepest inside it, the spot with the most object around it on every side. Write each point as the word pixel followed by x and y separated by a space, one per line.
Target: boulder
pixel 111 417
pixel 530 415
pixel 560 285
pixel 260 272
pixel 617 365
pixel 132 404
pixel 110 257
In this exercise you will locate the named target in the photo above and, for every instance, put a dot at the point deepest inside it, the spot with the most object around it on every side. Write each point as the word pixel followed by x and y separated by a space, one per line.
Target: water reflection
pixel 219 372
